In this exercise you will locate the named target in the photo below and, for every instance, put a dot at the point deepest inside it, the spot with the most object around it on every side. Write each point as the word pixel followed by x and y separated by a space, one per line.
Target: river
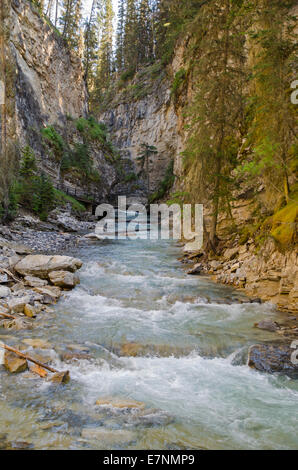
pixel 190 337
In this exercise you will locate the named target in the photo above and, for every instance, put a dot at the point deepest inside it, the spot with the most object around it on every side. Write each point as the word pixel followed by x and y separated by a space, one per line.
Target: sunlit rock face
pixel 49 78
pixel 43 86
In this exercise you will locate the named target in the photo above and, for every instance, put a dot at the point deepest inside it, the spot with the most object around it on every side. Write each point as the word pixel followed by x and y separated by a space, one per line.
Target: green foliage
pixel 273 117
pixel 179 197
pixel 165 185
pixel 28 163
pixel 55 141
pixel 31 190
pixel 130 177
pixel 127 75
pixel 92 130
pixel 77 157
pixel 61 199
pixel 178 81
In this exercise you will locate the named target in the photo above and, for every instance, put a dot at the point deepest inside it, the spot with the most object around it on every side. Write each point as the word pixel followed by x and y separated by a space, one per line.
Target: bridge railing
pixel 88 197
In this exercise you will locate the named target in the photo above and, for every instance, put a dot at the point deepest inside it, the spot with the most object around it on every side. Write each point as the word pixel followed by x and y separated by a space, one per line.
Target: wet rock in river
pixel 64 279
pixel 272 358
pixel 71 357
pixel 42 265
pixel 120 403
pixel 60 378
pixel 13 363
pixel 108 436
pixel 20 445
pixel 197 269
pixel 37 343
pixel 150 417
pixel 268 325
pixel 141 350
pixel 17 324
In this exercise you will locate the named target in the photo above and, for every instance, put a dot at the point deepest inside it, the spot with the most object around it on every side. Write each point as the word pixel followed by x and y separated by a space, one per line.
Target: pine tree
pixel 105 64
pixel 131 45
pixel 272 131
pixel 120 36
pixel 91 44
pixel 217 111
pixel 144 159
pixel 28 163
pixel 145 32
pixel 70 20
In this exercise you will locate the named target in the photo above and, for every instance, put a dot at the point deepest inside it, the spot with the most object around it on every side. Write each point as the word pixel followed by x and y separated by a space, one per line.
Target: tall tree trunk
pixel 3 117
pixel 148 174
pixel 56 13
pixel 219 151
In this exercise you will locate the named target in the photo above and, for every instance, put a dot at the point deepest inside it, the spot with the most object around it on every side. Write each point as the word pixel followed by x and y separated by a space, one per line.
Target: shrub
pixel 178 81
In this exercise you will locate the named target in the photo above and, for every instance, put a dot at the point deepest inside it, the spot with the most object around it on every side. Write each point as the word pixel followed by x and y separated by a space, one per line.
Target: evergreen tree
pixel 28 163
pixel 105 64
pixel 131 44
pixel 91 41
pixel 272 131
pixel 145 32
pixel 120 36
pixel 217 111
pixel 70 21
pixel 144 159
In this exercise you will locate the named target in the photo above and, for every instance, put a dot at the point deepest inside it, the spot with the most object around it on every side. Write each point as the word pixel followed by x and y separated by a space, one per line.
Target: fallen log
pixel 39 371
pixel 65 374
pixel 6 315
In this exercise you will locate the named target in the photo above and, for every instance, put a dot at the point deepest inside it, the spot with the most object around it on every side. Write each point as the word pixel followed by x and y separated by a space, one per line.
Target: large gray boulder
pixel 42 265
pixel 272 358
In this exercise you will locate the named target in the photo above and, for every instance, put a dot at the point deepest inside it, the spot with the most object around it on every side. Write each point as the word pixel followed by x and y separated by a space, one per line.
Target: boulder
pixel 35 281
pixel 60 378
pixel 196 269
pixel 29 311
pixel 13 363
pixel 231 253
pixel 17 304
pixel 42 265
pixel 19 249
pixel 64 279
pixel 50 293
pixel 268 325
pixel 4 292
pixel 272 358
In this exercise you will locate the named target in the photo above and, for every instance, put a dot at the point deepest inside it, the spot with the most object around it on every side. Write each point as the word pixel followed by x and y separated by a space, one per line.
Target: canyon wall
pixel 265 270
pixel 149 119
pixel 44 87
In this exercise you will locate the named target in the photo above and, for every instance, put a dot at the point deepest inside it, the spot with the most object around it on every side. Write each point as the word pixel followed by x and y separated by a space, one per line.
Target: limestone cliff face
pixel 49 82
pixel 44 86
pixel 159 119
pixel 150 120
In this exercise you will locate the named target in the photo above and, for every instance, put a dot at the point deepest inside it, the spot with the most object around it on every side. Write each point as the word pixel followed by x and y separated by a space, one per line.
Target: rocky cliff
pixel 44 87
pixel 260 262
pixel 142 112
